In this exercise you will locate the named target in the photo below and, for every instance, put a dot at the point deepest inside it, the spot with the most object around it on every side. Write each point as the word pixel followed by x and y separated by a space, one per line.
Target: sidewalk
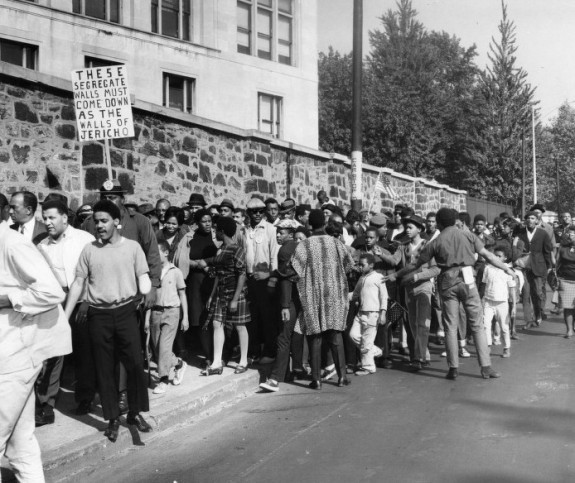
pixel 75 442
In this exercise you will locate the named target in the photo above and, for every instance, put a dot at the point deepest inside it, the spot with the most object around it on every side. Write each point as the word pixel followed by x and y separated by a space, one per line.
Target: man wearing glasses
pixel 261 259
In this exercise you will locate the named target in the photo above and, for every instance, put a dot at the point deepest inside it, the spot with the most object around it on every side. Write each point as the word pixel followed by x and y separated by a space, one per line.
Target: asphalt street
pixel 393 426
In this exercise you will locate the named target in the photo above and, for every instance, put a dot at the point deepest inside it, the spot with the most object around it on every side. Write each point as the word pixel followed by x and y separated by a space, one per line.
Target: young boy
pixel 116 274
pixel 370 295
pixel 170 306
pixel 499 290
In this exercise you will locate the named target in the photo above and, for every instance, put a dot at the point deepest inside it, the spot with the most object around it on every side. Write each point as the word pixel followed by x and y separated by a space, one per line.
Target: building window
pixel 178 92
pixel 172 18
pixel 108 10
pixel 18 53
pixel 91 62
pixel 270 114
pixel 265 29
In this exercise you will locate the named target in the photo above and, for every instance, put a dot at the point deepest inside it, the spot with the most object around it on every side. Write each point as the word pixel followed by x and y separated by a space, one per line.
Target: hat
pixel 255 203
pixel 227 203
pixel 56 197
pixel 378 220
pixel 196 199
pixel 306 206
pixel 131 205
pixel 112 187
pixel 287 205
pixel 414 219
pixel 146 208
pixel 329 206
pixel 531 213
pixel 289 224
pixel 363 210
pixel 85 209
pixel 538 206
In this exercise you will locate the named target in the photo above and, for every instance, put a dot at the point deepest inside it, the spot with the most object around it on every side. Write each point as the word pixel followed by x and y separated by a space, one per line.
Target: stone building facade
pixel 172 156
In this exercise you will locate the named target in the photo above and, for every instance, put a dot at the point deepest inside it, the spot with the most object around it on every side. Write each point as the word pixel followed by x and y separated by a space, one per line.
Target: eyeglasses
pixel 257 211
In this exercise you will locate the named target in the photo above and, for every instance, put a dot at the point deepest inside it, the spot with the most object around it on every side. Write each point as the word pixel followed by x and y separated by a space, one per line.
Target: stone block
pixel 4 156
pixel 92 154
pixel 95 177
pixel 263 186
pixel 149 149
pixel 168 187
pixel 123 143
pixel 66 131
pixel 250 185
pixel 219 180
pixel 204 156
pixel 166 151
pixel 16 92
pixel 127 182
pixel 158 136
pixel 205 174
pixel 249 156
pixel 22 112
pixel 256 170
pixel 261 159
pixel 32 176
pixel 20 153
pixel 183 159
pixel 116 159
pixel 161 168
pixel 68 113
pixel 234 184
pixel 190 144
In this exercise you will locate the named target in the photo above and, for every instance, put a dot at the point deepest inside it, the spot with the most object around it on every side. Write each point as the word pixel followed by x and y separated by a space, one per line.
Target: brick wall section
pixel 172 158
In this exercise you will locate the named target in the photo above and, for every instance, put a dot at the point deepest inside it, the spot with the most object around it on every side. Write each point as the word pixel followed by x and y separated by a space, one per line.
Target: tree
pixel 505 114
pixel 556 163
pixel 417 85
pixel 335 94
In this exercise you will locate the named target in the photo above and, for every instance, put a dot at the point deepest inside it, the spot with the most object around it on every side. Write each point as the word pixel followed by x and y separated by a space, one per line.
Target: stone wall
pixel 174 155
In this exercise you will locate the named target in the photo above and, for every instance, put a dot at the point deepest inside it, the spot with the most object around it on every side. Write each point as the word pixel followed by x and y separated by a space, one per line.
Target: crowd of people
pixel 316 293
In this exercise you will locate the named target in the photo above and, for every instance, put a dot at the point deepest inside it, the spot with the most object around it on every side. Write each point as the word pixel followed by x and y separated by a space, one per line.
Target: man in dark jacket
pixel 539 246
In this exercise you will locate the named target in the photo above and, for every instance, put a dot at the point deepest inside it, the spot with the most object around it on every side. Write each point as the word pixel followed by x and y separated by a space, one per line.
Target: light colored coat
pixel 34 328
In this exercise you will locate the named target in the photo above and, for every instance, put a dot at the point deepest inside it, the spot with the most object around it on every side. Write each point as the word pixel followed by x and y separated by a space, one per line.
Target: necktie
pixel 22 229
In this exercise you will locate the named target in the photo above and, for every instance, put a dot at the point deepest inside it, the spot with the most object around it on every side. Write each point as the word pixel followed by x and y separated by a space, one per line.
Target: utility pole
pixel 523 174
pixel 534 156
pixel 557 186
pixel 356 127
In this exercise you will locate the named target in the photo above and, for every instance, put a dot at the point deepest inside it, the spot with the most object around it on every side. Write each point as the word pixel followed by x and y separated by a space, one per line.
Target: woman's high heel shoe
pixel 211 371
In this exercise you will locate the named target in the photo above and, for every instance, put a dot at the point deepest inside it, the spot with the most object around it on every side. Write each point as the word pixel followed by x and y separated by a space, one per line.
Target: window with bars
pixel 108 10
pixel 91 62
pixel 270 114
pixel 172 18
pixel 178 92
pixel 265 29
pixel 18 53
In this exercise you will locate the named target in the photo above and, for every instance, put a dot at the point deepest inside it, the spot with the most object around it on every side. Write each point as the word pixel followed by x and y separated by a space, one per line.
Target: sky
pixel 545 36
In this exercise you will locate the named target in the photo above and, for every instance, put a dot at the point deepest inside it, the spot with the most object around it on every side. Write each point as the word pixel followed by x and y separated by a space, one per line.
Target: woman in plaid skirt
pixel 229 304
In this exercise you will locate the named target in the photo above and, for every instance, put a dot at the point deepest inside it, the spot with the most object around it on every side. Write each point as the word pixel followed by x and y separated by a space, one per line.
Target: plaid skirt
pixel 219 310
pixel 566 294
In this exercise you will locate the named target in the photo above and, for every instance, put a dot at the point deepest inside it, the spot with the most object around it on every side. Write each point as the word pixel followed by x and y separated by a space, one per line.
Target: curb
pixel 64 462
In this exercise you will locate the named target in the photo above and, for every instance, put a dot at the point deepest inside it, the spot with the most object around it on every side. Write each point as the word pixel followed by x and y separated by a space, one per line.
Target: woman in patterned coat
pixel 321 263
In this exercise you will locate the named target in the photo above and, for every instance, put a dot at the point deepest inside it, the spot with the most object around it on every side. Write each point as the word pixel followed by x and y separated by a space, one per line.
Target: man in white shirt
pixel 62 249
pixel 33 328
pixel 23 206
pixel 4 209
pixel 261 260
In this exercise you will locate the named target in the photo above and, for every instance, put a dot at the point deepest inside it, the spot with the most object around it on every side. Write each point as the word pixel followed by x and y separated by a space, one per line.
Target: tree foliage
pixel 428 110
